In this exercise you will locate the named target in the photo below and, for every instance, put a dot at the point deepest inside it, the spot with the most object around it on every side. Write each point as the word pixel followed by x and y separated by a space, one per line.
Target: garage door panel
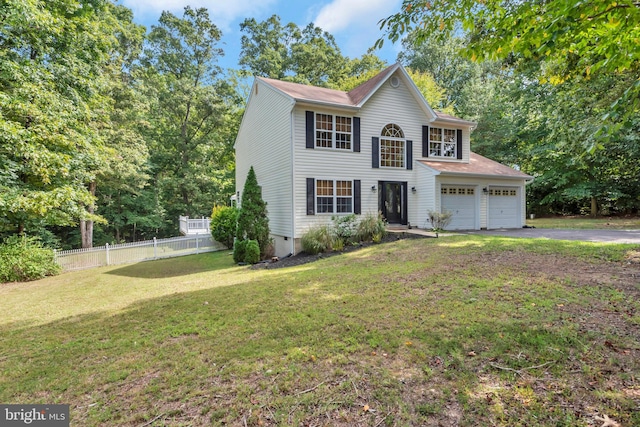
pixel 504 207
pixel 461 202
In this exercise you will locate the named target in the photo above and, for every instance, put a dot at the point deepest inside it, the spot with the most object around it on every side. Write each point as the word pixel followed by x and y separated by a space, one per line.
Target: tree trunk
pixel 86 227
pixel 594 206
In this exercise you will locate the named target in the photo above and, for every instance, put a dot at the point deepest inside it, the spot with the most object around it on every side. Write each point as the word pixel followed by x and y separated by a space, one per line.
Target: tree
pixel 434 94
pixel 193 115
pixel 51 79
pixel 253 223
pixel 575 39
pixel 308 55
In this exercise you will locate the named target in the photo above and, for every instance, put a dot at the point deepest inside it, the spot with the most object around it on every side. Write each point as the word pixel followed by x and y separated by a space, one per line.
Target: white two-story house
pixel 320 152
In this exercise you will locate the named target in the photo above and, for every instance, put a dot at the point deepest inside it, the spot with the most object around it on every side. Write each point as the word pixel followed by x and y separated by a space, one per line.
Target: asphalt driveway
pixel 606 236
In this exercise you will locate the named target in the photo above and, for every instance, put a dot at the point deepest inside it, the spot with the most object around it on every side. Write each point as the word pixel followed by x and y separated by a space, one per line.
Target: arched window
pixel 392 147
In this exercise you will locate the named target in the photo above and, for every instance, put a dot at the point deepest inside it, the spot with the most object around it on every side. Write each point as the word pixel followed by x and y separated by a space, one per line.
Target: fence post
pixel 155 248
pixel 197 245
pixel 106 245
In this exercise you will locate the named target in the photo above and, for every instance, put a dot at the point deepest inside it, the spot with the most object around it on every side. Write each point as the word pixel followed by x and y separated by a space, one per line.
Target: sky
pixel 353 23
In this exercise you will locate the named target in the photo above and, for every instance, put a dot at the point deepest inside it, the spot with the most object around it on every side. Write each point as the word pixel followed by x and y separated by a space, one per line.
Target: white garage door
pixel 461 201
pixel 504 208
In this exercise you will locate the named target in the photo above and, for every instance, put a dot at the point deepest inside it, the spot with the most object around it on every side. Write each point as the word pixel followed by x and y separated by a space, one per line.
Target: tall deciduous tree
pixel 308 55
pixel 52 55
pixel 576 39
pixel 189 114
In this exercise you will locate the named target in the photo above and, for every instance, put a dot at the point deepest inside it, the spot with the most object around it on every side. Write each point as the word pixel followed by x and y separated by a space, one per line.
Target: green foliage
pixel 318 239
pixel 432 92
pixel 52 80
pixel 224 221
pixel 24 258
pixel 574 39
pixel 439 220
pixel 308 56
pixel 246 251
pixel 253 222
pixel 345 227
pixel 239 250
pixel 252 252
pixel 193 115
pixel 372 227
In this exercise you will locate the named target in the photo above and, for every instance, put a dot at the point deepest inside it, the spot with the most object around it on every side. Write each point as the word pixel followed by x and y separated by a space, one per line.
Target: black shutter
pixel 375 152
pixel 425 141
pixel 356 134
pixel 409 155
pixel 311 195
pixel 459 142
pixel 357 206
pixel 310 129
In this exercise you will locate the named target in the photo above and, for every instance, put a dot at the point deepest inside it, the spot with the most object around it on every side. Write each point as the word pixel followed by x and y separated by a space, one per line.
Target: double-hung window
pixel 333 131
pixel 334 196
pixel 442 142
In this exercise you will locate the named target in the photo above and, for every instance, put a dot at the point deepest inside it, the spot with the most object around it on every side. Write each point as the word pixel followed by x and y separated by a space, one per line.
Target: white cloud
pixel 342 15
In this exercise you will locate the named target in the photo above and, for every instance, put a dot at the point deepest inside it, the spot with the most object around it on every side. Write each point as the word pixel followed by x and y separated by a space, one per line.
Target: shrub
pixel 224 220
pixel 239 250
pixel 24 258
pixel 252 252
pixel 372 228
pixel 345 227
pixel 317 239
pixel 439 220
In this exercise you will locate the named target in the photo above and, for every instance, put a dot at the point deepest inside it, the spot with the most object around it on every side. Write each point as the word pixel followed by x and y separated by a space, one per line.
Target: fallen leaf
pixel 472 354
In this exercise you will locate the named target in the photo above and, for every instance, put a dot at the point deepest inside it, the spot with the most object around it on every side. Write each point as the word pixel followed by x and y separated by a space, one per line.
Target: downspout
pixel 293 181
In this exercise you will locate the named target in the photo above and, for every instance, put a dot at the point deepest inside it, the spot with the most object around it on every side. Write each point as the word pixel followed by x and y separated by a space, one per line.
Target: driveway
pixel 606 236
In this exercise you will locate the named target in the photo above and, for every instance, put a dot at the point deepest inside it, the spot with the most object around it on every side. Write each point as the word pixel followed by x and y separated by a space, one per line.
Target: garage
pixel 504 208
pixel 461 201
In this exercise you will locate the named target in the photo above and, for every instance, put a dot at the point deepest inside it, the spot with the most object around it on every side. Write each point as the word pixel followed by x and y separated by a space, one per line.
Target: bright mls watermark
pixel 34 415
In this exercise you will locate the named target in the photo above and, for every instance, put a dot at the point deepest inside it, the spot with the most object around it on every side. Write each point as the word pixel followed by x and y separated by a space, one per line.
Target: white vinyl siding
pixel 264 142
pixel 387 105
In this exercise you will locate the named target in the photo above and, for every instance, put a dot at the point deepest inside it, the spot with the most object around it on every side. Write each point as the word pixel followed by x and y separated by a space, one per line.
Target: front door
pixel 393 201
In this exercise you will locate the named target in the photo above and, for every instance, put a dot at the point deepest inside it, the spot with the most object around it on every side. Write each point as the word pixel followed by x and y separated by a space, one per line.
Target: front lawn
pixel 462 330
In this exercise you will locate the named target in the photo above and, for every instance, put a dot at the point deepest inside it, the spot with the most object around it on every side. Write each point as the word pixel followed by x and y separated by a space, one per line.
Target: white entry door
pixel 461 202
pixel 504 208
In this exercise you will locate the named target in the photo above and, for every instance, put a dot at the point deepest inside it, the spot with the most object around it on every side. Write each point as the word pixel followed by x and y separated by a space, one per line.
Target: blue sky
pixel 353 23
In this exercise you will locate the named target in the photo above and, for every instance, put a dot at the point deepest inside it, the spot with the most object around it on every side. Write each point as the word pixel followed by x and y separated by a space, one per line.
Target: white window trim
pixel 392 138
pixel 334 132
pixel 442 142
pixel 335 197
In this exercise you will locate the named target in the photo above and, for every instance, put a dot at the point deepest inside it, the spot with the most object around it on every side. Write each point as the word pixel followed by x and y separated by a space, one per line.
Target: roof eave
pixel 486 175
pixel 304 101
pixel 456 121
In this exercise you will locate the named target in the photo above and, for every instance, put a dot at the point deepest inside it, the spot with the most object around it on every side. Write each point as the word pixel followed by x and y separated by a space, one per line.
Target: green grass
pixel 465 330
pixel 583 222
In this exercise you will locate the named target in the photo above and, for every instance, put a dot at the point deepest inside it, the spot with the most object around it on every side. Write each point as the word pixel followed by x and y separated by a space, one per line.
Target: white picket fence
pixel 78 259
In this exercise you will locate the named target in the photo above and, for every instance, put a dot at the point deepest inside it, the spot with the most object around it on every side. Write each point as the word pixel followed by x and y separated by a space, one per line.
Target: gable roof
pixel 443 117
pixel 478 165
pixel 358 96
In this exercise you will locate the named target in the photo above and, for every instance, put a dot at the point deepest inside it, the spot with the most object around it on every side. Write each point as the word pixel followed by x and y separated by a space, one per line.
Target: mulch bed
pixel 304 258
